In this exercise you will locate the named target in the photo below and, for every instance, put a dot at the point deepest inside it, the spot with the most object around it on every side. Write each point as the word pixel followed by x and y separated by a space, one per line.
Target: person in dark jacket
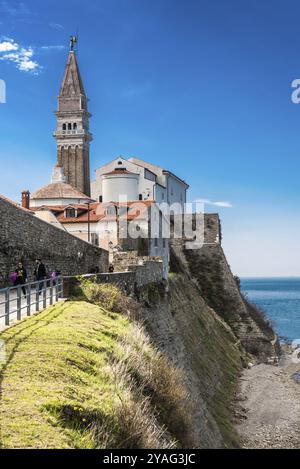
pixel 40 273
pixel 21 277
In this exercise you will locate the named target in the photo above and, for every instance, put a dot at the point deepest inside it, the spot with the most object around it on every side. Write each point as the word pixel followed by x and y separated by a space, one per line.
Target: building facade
pixel 138 180
pixel 137 226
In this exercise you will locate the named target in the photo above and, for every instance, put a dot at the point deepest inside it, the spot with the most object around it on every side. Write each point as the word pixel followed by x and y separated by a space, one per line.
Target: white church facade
pixel 138 180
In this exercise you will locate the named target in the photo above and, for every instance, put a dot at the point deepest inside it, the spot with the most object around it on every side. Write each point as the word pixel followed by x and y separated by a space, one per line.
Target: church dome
pixel 58 193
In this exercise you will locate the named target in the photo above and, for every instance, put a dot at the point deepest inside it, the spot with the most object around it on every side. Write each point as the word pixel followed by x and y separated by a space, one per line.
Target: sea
pixel 279 298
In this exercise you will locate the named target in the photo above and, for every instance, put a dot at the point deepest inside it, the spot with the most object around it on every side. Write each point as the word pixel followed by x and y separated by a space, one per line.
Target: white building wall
pixel 167 188
pixel 176 192
pixel 116 185
pixel 55 202
pixel 145 187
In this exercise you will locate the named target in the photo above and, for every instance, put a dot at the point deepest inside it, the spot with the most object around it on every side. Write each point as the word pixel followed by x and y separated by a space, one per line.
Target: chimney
pixel 26 199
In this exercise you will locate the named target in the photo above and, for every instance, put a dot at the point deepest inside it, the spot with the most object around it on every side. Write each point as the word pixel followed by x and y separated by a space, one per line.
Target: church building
pixel 125 190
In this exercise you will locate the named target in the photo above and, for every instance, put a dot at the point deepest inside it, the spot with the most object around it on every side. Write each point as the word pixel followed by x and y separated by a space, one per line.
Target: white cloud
pixel 7 46
pixel 57 26
pixel 22 57
pixel 223 204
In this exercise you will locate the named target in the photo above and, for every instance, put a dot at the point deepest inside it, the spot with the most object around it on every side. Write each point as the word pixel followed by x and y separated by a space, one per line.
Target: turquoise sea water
pixel 280 299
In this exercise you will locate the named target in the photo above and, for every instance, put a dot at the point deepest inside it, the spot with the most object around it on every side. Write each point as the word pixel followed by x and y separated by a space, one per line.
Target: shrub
pixel 109 297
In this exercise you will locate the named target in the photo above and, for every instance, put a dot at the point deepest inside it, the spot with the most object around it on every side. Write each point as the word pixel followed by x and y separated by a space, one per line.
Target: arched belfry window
pixel 64 127
pixel 75 126
pixel 69 126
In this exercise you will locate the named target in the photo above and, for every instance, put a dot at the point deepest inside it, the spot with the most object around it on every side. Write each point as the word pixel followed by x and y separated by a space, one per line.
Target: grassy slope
pixel 46 367
pixel 68 382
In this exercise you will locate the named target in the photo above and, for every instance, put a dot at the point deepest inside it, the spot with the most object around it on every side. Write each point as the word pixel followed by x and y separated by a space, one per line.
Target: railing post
pixel 29 299
pixel 37 296
pixel 51 291
pixel 45 294
pixel 19 291
pixel 61 290
pixel 7 307
pixel 56 289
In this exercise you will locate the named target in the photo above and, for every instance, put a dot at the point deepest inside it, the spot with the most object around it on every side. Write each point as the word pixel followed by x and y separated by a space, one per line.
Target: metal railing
pixel 31 297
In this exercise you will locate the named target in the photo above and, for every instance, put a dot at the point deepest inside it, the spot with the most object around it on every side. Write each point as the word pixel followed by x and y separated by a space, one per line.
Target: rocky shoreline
pixel 267 412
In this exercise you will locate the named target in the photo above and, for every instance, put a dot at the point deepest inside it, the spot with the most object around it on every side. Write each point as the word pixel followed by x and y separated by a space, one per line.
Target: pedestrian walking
pixel 21 277
pixel 40 274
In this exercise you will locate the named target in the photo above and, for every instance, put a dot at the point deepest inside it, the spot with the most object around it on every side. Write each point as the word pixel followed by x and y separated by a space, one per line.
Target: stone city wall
pixel 25 237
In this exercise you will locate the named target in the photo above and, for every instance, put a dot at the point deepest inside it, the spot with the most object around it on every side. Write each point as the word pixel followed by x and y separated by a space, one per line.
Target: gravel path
pixel 268 410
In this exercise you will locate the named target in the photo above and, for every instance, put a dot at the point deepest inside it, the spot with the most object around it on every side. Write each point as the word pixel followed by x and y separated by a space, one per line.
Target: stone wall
pixel 25 237
pixel 123 260
pixel 209 227
pixel 151 272
pixel 208 267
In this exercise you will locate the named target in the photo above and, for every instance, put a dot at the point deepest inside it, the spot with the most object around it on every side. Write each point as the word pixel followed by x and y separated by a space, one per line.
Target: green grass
pixel 57 358
pixel 81 376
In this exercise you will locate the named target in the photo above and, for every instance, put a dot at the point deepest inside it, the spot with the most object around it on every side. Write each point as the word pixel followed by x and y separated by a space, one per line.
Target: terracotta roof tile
pixel 58 190
pixel 120 171
pixel 136 210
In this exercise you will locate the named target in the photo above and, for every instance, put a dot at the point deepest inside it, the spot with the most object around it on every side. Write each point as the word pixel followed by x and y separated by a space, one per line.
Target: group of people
pixel 20 276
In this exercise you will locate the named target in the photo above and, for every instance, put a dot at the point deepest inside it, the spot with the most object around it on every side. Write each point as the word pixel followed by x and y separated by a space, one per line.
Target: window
pixel 70 213
pixel 164 242
pixel 100 199
pixel 95 239
pixel 120 162
pixel 140 196
pixel 64 127
pixel 75 126
pixel 172 190
pixel 156 242
pixel 69 126
pixel 149 175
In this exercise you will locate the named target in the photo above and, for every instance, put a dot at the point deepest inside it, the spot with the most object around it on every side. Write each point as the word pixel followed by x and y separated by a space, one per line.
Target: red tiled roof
pixel 136 210
pixel 119 171
pixel 58 190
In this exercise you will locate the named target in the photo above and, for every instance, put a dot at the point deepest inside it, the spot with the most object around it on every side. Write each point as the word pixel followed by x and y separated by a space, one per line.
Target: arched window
pixel 69 126
pixel 75 126
pixel 64 127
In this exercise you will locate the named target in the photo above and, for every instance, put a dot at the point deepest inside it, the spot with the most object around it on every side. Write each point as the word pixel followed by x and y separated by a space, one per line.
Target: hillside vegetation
pixel 85 375
pixel 104 370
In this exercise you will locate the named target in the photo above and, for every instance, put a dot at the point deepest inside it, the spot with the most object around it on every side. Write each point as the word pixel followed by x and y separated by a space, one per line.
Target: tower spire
pixel 72 132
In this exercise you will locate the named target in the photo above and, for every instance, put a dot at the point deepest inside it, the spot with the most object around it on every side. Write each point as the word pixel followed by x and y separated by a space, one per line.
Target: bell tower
pixel 72 132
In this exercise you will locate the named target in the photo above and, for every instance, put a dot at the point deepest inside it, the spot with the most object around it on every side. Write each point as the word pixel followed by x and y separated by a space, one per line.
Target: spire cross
pixel 73 41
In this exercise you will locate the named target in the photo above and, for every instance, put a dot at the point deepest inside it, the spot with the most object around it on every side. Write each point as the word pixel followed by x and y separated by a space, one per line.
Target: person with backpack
pixel 21 277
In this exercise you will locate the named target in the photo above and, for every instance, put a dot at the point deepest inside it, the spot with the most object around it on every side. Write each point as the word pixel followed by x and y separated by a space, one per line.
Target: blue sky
pixel 200 87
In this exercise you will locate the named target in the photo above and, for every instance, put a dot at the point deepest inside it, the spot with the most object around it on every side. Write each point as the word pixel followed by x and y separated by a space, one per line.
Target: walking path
pixel 269 406
pixel 13 305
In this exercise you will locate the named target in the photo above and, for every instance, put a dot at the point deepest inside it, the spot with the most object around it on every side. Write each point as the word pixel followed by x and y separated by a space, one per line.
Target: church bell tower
pixel 72 132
